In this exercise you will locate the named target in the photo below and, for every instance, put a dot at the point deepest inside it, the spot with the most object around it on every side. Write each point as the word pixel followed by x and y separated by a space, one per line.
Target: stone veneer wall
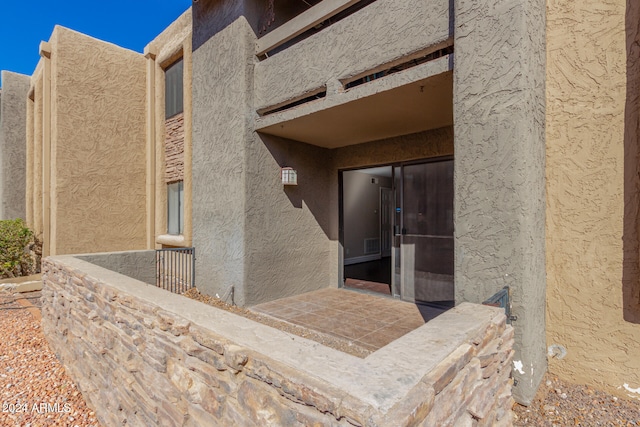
pixel 174 148
pixel 138 362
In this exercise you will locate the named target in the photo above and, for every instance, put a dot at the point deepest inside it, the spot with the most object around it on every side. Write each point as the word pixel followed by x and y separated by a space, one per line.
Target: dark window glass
pixel 173 88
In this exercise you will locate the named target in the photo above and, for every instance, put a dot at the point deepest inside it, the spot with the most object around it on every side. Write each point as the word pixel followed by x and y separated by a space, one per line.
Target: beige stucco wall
pixel 593 307
pixel 95 176
pixel 34 155
pixel 174 42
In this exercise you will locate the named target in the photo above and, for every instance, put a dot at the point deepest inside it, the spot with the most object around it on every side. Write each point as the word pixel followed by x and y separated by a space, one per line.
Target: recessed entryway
pixel 396 224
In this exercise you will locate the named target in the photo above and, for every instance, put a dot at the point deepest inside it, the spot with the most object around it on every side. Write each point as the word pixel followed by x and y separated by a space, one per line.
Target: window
pixel 173 88
pixel 175 208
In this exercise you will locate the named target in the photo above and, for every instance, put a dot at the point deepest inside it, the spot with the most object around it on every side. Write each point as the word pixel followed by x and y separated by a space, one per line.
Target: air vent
pixel 371 246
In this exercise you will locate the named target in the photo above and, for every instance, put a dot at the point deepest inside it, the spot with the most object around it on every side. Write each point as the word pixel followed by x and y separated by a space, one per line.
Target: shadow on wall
pixel 314 166
pixel 631 265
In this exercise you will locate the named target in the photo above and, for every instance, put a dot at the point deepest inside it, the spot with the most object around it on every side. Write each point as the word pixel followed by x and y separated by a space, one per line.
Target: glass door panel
pixel 397 233
pixel 424 231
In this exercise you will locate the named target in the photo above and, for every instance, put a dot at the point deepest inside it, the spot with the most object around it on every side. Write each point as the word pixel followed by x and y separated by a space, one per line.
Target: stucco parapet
pixel 35 76
pixel 345 50
pixel 59 30
pixel 335 98
pixel 166 45
pixel 150 51
pixel 380 380
pixel 45 49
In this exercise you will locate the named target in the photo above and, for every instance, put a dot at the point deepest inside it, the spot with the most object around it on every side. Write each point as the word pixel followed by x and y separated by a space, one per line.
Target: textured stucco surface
pixel 139 265
pixel 593 302
pixel 287 228
pixel 221 98
pixel 13 143
pixel 345 49
pixel 292 236
pixel 29 171
pixel 415 100
pixel 275 241
pixel 97 146
pixel 170 45
pixel 36 82
pixel 499 167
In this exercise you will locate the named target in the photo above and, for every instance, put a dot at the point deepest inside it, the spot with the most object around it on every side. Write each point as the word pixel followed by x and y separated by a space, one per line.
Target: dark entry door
pixel 423 232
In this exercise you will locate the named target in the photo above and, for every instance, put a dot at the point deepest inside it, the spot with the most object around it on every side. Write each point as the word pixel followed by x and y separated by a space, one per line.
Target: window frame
pixel 174 88
pixel 175 207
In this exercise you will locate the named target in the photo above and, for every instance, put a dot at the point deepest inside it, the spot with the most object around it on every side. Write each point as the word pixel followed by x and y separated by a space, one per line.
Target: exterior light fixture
pixel 289 176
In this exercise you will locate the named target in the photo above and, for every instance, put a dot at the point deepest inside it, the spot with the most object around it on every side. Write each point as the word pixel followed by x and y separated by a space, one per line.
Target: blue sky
pixel 127 23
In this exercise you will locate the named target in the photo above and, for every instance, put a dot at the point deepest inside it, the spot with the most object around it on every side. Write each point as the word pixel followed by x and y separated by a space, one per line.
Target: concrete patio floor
pixel 370 321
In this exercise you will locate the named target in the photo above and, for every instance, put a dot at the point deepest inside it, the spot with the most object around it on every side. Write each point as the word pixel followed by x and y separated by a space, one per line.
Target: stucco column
pixel 13 143
pixel 222 86
pixel 499 102
pixel 150 56
pixel 30 172
pixel 48 244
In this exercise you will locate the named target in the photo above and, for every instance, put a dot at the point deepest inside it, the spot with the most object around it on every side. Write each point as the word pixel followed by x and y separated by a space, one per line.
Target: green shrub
pixel 18 249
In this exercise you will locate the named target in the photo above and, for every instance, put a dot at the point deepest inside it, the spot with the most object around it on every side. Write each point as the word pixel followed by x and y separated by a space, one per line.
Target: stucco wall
pixel 275 241
pixel 13 143
pixel 345 49
pixel 36 82
pixel 97 146
pixel 139 265
pixel 499 168
pixel 593 303
pixel 292 233
pixel 170 45
pixel 29 167
pixel 222 80
pixel 286 228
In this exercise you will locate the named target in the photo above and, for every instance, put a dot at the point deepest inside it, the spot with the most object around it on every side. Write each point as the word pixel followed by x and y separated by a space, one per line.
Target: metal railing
pixel 175 269
pixel 501 299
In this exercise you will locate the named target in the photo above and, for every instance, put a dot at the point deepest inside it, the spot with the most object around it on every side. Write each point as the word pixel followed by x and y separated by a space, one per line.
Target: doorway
pixel 397 230
pixel 367 215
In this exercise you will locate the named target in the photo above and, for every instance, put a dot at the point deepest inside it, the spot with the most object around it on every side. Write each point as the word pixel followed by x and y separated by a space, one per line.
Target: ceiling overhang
pixel 376 110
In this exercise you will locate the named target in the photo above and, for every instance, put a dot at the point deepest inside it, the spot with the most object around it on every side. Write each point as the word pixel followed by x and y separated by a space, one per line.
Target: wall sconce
pixel 289 176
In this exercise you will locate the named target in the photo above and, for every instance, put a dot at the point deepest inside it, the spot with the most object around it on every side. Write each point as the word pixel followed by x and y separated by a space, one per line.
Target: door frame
pixel 397 249
pixel 341 230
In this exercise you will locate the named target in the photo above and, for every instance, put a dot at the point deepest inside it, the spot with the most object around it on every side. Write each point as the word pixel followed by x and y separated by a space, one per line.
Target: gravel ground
pixel 560 404
pixel 34 388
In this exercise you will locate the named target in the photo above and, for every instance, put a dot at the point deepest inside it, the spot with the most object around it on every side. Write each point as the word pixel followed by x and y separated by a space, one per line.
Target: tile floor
pixel 368 320
pixel 381 288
